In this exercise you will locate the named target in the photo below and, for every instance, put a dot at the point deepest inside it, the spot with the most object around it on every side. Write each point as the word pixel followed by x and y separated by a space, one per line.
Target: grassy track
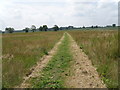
pixel 21 51
pixel 102 48
pixel 53 74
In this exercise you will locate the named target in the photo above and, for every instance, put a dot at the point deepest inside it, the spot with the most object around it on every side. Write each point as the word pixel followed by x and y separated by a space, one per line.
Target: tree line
pixel 55 28
pixel 33 29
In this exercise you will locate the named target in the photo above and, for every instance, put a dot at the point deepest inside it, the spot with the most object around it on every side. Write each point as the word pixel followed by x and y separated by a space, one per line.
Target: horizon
pixel 78 13
pixel 105 26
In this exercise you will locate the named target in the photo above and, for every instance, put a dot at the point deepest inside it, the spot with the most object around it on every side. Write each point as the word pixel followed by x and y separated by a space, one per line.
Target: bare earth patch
pixel 84 74
pixel 35 71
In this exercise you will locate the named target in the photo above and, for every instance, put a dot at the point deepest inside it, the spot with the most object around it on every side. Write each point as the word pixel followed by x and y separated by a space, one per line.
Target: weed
pixel 53 74
pixel 26 50
pixel 101 46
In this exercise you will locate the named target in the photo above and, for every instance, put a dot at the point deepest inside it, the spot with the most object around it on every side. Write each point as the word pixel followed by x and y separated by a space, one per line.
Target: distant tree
pixel 56 28
pixel 83 26
pixel 67 28
pixel 114 25
pixel 92 26
pixel 40 28
pixel 45 27
pixel 60 28
pixel 108 26
pixel 10 30
pixel 70 27
pixel 33 28
pixel 96 26
pixel 26 30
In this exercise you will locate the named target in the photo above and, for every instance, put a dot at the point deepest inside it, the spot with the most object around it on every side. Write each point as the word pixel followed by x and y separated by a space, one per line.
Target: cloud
pixel 96 12
pixel 24 13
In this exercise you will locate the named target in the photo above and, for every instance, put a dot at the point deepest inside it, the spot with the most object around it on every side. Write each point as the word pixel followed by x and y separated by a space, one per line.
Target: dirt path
pixel 84 74
pixel 35 71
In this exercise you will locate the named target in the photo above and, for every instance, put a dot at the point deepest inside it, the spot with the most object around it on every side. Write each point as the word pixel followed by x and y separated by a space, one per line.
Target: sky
pixel 24 13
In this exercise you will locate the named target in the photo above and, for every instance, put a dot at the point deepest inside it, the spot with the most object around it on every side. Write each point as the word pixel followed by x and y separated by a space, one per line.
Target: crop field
pixel 82 58
pixel 21 51
pixel 101 46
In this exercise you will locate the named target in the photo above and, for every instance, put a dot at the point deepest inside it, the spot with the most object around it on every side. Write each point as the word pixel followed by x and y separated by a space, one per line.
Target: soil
pixel 84 73
pixel 35 70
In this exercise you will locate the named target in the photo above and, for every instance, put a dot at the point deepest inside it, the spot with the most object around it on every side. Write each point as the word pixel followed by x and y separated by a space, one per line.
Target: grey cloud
pixel 101 13
pixel 25 13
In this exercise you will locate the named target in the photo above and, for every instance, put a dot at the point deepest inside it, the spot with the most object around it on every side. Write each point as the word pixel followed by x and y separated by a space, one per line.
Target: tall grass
pixel 21 51
pixel 53 75
pixel 102 48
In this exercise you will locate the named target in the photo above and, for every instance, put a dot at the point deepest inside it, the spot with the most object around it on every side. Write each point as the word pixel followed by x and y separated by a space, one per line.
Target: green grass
pixel 101 46
pixel 21 51
pixel 54 73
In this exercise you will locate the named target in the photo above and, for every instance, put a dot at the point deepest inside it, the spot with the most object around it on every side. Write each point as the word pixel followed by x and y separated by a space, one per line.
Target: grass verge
pixel 21 51
pixel 56 70
pixel 101 46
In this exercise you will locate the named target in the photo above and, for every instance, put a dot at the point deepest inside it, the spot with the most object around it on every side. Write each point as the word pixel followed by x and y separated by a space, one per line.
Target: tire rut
pixel 35 70
pixel 84 73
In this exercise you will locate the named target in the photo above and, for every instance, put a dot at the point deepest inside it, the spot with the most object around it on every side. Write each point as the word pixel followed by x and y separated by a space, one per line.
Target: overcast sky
pixel 24 13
